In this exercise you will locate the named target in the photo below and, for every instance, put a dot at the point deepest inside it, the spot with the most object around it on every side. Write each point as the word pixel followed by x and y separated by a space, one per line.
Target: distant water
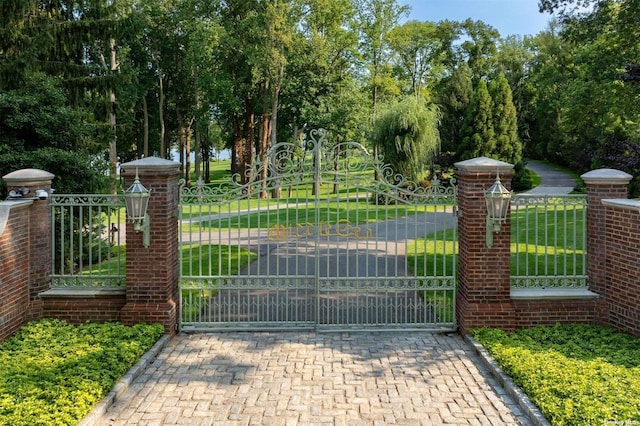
pixel 225 154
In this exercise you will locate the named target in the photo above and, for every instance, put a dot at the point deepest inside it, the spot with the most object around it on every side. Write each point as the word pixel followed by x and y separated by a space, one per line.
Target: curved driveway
pixel 552 181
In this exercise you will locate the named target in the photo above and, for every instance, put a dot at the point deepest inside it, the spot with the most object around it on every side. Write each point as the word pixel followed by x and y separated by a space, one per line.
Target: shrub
pixel 55 373
pixel 575 374
pixel 523 178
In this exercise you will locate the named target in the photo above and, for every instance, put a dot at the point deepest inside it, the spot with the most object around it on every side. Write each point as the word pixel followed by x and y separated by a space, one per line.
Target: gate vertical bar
pixel 316 184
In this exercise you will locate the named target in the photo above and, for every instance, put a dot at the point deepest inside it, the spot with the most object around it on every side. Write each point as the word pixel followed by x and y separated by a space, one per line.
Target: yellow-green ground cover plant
pixel 54 373
pixel 575 374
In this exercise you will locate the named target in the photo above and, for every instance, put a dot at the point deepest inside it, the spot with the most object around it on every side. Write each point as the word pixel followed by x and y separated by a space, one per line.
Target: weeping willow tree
pixel 407 136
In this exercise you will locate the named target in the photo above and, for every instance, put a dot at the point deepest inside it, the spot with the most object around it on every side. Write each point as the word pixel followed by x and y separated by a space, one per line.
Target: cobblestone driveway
pixel 305 378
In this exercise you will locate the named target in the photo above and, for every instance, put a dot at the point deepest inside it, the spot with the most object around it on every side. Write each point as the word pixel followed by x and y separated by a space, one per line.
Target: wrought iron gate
pixel 319 236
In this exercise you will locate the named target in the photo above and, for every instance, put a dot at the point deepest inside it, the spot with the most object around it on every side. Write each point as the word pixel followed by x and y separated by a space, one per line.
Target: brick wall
pixel 483 297
pixel 596 239
pixel 622 290
pixel 78 308
pixel 14 266
pixel 152 272
pixel 530 313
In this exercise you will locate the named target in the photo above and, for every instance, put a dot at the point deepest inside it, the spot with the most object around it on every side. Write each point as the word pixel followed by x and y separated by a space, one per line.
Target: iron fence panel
pixel 548 241
pixel 320 236
pixel 88 244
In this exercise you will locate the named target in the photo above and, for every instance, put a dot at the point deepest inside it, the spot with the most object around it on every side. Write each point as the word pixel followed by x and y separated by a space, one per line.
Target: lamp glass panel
pixel 497 198
pixel 137 205
pixel 136 199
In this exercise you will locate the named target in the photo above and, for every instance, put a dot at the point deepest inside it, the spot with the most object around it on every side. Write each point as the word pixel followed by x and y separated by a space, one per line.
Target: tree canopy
pixel 118 80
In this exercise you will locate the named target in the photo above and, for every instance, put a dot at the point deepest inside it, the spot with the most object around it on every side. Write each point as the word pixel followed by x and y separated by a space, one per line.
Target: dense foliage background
pixel 86 83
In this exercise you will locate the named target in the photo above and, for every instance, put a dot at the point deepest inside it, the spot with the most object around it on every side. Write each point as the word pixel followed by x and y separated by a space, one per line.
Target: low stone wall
pixel 530 313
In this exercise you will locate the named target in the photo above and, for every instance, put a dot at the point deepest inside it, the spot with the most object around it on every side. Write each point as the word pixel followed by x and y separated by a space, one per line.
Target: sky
pixel 509 17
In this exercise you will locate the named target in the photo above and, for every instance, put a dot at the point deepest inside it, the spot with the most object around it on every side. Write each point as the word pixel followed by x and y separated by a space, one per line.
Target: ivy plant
pixel 54 373
pixel 575 374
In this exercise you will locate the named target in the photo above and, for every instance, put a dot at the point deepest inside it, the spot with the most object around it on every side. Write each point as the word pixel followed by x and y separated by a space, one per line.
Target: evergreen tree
pixel 505 122
pixel 478 135
pixel 454 98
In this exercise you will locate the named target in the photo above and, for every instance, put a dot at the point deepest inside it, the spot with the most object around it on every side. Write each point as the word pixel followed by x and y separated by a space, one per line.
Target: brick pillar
pixel 483 297
pixel 601 184
pixel 38 187
pixel 152 273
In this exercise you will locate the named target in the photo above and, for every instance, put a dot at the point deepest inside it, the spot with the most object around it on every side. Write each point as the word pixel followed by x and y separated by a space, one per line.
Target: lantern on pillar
pixel 497 198
pixel 136 199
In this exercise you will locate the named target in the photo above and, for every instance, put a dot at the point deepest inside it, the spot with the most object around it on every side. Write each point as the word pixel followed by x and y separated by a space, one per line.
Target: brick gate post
pixel 37 186
pixel 601 184
pixel 152 273
pixel 483 297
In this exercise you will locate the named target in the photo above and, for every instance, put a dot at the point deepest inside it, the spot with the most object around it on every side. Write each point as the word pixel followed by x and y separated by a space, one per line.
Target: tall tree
pixel 377 19
pixel 479 47
pixel 505 121
pixel 477 129
pixel 454 96
pixel 420 50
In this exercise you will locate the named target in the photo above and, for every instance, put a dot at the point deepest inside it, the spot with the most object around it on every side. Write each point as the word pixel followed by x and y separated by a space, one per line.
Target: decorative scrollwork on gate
pixel 314 161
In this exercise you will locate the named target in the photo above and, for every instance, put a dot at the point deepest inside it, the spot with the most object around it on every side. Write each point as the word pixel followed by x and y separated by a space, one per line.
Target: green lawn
pixel 553 246
pixel 580 375
pixel 548 241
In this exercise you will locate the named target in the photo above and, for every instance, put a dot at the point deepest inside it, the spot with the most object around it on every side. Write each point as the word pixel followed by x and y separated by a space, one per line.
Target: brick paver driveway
pixel 304 378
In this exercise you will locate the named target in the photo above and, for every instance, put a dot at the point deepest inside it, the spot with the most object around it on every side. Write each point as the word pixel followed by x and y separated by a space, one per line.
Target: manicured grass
pixel 434 256
pixel 214 260
pixel 208 260
pixel 535 178
pixel 548 241
pixel 575 374
pixel 204 259
pixel 553 246
pixel 53 373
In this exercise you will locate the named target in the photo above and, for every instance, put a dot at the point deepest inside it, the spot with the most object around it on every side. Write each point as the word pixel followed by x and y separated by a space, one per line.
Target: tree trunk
pixel 249 139
pixel 196 149
pixel 181 144
pixel 145 113
pixel 163 131
pixel 376 174
pixel 113 149
pixel 262 155
pixel 237 153
pixel 187 152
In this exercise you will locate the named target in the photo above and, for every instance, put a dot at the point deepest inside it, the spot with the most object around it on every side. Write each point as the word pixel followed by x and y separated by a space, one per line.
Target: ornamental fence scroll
pixel 548 241
pixel 88 245
pixel 293 166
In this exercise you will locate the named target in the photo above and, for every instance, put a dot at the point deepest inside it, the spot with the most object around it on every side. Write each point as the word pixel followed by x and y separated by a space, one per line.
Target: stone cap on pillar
pixel 149 164
pixel 29 177
pixel 606 177
pixel 484 165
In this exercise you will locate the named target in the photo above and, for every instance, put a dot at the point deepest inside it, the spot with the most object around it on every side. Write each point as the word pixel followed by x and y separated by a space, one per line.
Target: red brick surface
pixel 530 313
pixel 622 289
pixel 483 297
pixel 78 311
pixel 596 232
pixel 14 272
pixel 152 273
